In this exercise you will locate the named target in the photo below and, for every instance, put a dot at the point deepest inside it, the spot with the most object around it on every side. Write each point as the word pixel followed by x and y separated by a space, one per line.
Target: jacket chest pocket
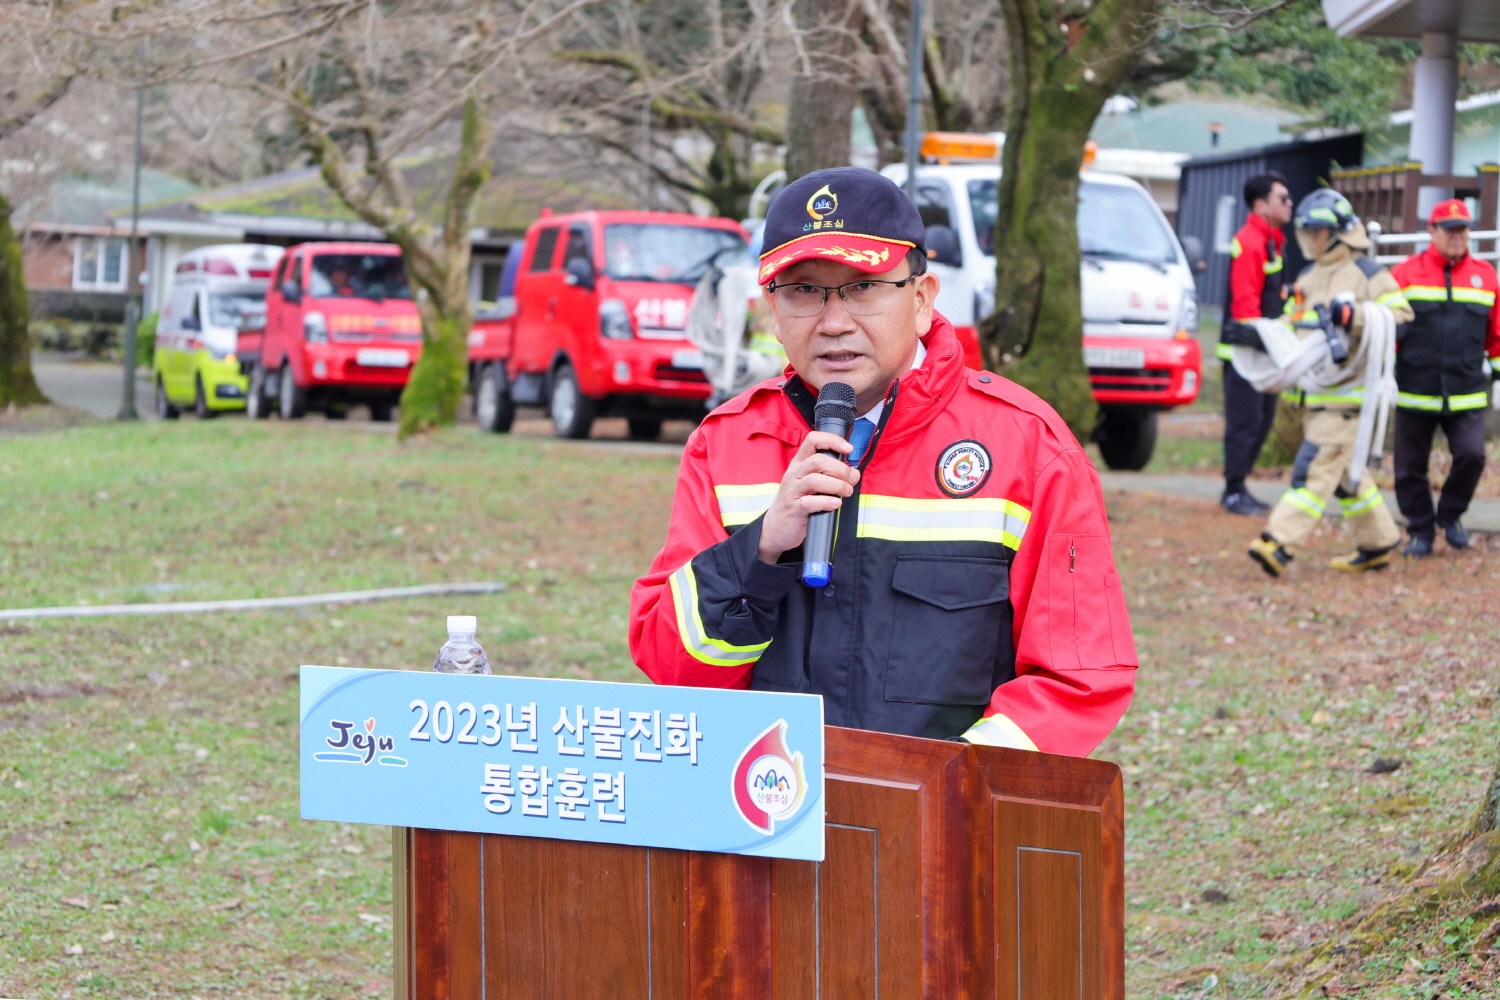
pixel 949 616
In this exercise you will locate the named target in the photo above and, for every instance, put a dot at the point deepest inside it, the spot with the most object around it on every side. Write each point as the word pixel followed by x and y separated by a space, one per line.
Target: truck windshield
pixel 359 276
pixel 241 310
pixel 1118 223
pixel 1114 222
pixel 662 252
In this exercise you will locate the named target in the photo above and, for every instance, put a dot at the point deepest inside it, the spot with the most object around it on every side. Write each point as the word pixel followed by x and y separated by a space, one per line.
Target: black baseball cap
pixel 847 214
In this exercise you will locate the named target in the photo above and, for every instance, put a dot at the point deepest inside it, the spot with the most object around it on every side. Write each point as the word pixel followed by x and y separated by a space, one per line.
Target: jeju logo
pixel 769 783
pixel 358 748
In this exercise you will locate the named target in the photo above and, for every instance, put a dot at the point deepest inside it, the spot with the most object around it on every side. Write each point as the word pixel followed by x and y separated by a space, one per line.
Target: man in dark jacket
pixel 1256 279
pixel 1445 359
pixel 973 592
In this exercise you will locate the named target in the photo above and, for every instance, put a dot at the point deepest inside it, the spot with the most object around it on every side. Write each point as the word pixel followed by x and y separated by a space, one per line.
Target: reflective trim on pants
pixel 1363 501
pixel 1305 499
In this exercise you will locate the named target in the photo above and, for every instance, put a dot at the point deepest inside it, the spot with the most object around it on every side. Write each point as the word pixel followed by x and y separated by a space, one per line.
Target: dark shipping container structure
pixel 1205 180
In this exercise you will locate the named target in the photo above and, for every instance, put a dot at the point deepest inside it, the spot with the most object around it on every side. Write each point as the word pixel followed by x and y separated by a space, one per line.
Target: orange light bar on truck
pixel 943 147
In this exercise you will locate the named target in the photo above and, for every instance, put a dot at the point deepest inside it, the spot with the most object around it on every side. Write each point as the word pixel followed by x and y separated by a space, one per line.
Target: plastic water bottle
pixel 461 654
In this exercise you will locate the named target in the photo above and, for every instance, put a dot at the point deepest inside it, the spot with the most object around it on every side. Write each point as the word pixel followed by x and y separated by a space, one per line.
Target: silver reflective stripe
pixel 978 519
pixel 695 638
pixel 743 504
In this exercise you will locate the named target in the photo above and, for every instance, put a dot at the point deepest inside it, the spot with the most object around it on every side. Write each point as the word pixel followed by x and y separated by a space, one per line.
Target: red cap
pixel 1451 214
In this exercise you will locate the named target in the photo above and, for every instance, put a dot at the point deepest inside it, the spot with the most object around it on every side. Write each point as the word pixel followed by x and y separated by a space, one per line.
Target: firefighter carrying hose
pixel 1445 360
pixel 1339 280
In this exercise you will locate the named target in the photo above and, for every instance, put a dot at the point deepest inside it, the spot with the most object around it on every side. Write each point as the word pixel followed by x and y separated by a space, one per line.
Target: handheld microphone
pixel 834 414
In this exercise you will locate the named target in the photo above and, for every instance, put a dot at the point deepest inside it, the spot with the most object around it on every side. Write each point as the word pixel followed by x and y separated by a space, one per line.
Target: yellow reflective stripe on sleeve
pixel 1368 498
pixel 1352 398
pixel 1305 499
pixel 1468 401
pixel 1234 247
pixel 1411 401
pixel 1272 266
pixel 1495 364
pixel 976 519
pixel 1478 296
pixel 695 638
pixel 743 504
pixel 1225 352
pixel 999 731
pixel 1393 300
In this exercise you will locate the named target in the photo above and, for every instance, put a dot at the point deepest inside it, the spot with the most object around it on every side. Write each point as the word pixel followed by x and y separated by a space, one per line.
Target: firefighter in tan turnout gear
pixel 1340 279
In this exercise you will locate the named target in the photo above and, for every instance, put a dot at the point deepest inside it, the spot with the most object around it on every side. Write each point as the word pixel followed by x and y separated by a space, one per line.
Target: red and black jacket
pixel 977 598
pixel 1445 356
pixel 1257 279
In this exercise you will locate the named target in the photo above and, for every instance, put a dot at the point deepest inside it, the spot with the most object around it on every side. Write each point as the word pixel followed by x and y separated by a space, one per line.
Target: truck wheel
pixel 645 430
pixel 257 403
pixel 493 407
pixel 292 400
pixel 200 401
pixel 572 411
pixel 164 408
pixel 381 412
pixel 1126 438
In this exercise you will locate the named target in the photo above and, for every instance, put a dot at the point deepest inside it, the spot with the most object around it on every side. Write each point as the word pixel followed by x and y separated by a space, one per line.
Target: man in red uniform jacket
pixel 1256 277
pixel 1445 359
pixel 973 592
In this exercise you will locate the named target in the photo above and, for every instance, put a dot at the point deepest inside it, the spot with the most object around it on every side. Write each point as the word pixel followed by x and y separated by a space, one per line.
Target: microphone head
pixel 835 402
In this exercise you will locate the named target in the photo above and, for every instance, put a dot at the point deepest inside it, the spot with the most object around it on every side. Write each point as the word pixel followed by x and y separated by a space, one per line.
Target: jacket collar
pixel 1438 260
pixel 1266 230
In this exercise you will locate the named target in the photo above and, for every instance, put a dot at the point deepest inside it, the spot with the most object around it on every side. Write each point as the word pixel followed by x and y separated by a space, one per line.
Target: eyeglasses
pixel 862 298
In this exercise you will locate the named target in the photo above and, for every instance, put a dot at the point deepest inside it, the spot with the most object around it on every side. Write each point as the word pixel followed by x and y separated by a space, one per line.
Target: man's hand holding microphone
pixel 813 488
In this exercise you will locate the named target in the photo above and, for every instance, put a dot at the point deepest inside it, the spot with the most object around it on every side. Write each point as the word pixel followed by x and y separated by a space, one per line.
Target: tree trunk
pixel 1066 60
pixel 17 384
pixel 824 89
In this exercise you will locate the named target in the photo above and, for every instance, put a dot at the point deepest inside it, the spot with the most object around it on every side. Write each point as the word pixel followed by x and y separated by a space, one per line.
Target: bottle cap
pixel 463 623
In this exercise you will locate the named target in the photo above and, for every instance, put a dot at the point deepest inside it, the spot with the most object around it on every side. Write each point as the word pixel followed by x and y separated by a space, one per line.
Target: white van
pixel 209 331
pixel 1140 307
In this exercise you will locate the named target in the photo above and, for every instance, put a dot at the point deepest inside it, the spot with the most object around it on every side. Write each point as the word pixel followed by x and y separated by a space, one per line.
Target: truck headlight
pixel 614 320
pixel 1187 313
pixel 315 328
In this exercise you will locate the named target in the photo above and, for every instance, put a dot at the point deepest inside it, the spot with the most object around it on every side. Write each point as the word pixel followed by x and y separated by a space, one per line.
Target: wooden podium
pixel 952 872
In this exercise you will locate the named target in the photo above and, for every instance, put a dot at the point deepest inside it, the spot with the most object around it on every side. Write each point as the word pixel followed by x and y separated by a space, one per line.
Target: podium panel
pixel 951 872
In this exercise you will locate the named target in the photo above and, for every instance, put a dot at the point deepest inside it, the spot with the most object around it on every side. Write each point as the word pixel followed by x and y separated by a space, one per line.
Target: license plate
pixel 374 358
pixel 687 359
pixel 1114 357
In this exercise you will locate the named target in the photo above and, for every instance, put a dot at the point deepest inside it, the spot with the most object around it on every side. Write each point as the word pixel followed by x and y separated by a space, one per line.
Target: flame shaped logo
pixel 769 783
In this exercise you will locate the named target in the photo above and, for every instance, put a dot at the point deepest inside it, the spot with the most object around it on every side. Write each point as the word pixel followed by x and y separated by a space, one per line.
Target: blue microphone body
pixel 834 414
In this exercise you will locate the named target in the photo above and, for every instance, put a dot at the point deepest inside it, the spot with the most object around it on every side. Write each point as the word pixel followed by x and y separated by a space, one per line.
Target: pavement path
pixel 95 387
pixel 1483 515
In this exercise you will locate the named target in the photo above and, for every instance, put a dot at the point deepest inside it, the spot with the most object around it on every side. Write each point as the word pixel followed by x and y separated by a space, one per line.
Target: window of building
pixel 99 264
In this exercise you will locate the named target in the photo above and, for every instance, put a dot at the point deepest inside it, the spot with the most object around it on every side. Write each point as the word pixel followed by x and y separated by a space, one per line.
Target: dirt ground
pixel 1255 824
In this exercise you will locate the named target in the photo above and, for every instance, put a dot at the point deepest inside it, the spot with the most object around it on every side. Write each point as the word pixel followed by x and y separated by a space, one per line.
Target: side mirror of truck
pixel 191 323
pixel 1192 248
pixel 943 246
pixel 291 291
pixel 580 272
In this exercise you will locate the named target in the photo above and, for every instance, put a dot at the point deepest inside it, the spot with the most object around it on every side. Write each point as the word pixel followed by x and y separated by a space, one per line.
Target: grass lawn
pixel 149 839
pixel 150 843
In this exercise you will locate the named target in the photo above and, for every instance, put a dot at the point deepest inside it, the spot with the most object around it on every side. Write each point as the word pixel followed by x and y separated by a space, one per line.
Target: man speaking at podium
pixel 972 591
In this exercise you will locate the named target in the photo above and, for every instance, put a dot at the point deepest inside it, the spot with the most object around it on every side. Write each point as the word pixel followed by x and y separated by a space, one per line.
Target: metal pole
pixel 646 178
pixel 133 300
pixel 914 100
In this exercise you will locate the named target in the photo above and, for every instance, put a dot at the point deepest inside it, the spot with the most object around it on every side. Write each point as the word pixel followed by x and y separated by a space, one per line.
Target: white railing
pixel 1422 239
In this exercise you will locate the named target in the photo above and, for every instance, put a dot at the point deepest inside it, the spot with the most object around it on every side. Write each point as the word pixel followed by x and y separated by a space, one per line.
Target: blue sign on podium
pixel 702 769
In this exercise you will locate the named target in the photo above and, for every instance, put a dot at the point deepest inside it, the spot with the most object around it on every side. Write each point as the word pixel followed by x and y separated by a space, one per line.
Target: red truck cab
pixel 341 329
pixel 596 322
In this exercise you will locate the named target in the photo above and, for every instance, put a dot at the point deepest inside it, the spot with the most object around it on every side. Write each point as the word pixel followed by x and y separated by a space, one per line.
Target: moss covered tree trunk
pixel 436 257
pixel 1066 59
pixel 17 384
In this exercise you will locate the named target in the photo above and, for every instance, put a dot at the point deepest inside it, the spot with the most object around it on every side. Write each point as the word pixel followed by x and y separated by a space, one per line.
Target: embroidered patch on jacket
pixel 1476 281
pixel 963 468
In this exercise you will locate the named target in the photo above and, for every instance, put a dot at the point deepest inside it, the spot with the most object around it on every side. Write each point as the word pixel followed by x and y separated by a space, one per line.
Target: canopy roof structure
pixel 1441 25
